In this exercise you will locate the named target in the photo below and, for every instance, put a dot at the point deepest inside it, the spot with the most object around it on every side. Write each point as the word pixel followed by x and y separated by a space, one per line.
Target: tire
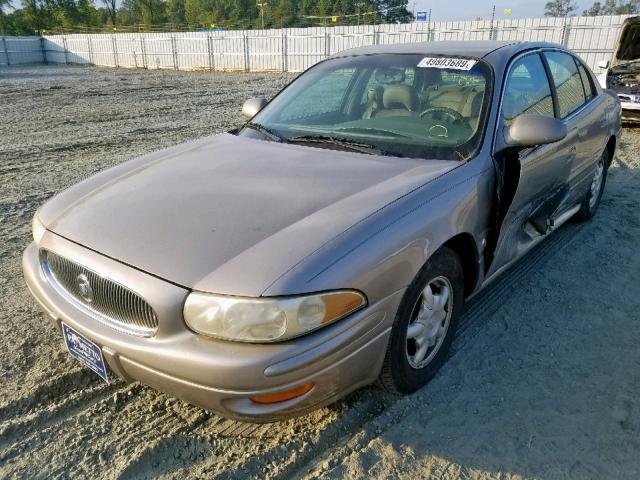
pixel 594 194
pixel 404 370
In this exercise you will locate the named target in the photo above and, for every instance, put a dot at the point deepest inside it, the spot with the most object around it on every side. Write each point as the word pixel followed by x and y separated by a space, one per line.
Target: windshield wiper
pixel 266 131
pixel 373 130
pixel 340 142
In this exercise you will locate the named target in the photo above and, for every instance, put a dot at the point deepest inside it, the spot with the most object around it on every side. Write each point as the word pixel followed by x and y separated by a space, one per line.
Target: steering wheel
pixel 454 115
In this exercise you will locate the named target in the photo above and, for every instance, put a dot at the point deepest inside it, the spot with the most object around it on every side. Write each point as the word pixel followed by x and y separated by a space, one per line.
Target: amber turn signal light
pixel 283 396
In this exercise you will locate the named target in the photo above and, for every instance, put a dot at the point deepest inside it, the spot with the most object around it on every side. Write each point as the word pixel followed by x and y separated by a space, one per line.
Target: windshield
pixel 392 104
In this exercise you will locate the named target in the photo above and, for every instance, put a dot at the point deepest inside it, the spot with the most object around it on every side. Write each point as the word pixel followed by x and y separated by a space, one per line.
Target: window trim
pixel 594 90
pixel 553 83
pixel 587 99
pixel 552 86
pixel 498 126
pixel 540 51
pixel 594 84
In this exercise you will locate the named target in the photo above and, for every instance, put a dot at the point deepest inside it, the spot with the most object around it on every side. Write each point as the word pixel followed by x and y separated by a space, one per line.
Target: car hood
pixel 628 45
pixel 228 214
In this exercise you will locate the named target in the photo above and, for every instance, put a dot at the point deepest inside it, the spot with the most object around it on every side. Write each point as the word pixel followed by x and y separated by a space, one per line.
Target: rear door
pixel 533 182
pixel 581 112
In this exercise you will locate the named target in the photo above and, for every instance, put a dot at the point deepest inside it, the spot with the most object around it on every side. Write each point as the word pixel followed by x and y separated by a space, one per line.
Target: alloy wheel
pixel 596 184
pixel 430 321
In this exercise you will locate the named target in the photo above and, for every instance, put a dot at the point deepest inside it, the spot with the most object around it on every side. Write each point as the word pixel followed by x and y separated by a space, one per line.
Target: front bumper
pixel 630 111
pixel 218 375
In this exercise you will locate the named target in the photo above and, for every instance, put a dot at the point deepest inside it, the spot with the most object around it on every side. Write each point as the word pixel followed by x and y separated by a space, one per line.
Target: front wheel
pixel 425 324
pixel 594 194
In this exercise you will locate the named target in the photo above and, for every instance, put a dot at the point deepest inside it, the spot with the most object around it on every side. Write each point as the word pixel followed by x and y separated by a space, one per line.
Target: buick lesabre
pixel 331 241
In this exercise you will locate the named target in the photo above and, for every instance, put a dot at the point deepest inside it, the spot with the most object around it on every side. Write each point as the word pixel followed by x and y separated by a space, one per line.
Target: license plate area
pixel 84 350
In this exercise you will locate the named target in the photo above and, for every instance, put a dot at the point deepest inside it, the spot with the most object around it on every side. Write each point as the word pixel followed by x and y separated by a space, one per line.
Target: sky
pixel 471 9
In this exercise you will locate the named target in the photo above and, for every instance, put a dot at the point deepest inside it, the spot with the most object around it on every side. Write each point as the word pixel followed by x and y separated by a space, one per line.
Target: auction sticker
pixel 444 62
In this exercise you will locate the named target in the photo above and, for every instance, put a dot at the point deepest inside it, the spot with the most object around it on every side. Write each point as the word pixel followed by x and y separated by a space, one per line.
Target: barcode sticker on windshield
pixel 443 62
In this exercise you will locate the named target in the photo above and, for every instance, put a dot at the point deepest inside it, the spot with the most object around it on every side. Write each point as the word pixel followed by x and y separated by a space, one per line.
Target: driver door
pixel 533 183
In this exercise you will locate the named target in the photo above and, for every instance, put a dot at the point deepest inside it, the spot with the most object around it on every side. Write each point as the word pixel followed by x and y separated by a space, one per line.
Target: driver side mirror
pixel 603 64
pixel 533 130
pixel 252 106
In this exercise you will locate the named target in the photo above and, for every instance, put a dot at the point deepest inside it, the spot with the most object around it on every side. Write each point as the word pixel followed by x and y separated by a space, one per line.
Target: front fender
pixel 382 254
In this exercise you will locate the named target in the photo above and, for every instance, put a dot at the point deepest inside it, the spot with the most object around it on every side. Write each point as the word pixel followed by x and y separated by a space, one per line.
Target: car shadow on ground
pixel 544 381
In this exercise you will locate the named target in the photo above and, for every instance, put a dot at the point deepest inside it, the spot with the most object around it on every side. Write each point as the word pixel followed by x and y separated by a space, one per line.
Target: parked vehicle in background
pixel 622 73
pixel 332 240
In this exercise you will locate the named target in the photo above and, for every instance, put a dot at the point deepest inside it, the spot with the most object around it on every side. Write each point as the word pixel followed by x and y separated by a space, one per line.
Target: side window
pixel 527 90
pixel 324 96
pixel 568 83
pixel 586 81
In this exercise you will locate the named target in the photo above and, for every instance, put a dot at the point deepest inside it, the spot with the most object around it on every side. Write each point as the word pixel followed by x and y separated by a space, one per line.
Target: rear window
pixel 565 75
pixel 586 81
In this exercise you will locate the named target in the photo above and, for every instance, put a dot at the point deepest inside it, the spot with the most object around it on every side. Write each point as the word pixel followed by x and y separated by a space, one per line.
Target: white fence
pixel 16 50
pixel 295 49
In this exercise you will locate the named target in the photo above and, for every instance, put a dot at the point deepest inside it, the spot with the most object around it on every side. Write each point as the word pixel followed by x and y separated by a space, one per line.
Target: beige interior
pixel 465 100
pixel 398 100
pixel 402 100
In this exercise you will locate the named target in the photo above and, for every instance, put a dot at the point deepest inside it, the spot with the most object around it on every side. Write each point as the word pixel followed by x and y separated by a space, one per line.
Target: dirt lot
pixel 544 381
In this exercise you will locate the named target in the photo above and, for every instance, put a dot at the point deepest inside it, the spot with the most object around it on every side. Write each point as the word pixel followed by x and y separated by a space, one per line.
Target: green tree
pixel 199 11
pixel 153 11
pixel 595 10
pixel 282 13
pixel 613 7
pixel 324 8
pixel 4 21
pixel 111 7
pixel 176 11
pixel 347 7
pixel 559 8
pixel 395 11
pixel 17 25
pixel 245 10
pixel 36 14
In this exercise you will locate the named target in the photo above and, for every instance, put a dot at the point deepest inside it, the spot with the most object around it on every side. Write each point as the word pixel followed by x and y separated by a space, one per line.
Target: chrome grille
pixel 107 301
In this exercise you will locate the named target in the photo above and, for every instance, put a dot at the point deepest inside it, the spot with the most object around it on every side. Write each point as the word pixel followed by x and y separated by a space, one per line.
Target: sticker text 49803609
pixel 444 62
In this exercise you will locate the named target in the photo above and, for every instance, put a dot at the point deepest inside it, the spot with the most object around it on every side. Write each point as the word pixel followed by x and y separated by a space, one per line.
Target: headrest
pixel 473 104
pixel 399 96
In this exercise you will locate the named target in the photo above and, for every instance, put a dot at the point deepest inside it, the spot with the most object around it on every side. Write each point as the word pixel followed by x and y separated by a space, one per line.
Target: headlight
pixel 37 229
pixel 267 319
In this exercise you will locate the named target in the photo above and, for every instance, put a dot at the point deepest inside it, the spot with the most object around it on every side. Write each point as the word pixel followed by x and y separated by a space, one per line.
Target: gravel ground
pixel 544 379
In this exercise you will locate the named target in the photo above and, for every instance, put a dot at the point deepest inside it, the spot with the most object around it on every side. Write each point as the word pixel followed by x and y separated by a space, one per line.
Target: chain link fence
pixel 296 49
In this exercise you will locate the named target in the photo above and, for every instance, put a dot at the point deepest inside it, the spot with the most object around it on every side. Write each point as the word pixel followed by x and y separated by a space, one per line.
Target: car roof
pixel 477 48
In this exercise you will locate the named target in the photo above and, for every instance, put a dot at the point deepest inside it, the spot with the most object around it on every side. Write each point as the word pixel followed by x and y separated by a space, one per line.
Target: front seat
pixel 471 110
pixel 398 100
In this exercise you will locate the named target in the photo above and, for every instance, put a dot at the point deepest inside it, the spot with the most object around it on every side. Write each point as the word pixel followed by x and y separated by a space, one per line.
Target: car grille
pixel 107 301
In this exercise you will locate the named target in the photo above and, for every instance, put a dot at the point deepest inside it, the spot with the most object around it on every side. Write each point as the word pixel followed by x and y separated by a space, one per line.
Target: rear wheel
pixel 594 194
pixel 425 324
